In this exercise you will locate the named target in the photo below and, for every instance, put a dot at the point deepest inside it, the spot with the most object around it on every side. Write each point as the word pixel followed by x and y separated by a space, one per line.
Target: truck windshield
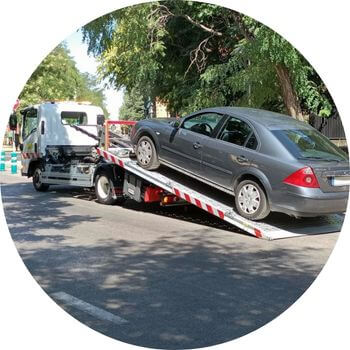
pixel 30 122
pixel 310 144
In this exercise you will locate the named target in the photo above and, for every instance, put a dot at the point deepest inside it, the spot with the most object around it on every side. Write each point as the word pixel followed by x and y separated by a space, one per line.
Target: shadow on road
pixel 188 213
pixel 28 213
pixel 175 295
pixel 178 290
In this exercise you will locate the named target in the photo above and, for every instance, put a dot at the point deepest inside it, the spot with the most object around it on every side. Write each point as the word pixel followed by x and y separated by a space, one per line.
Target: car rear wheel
pixel 251 201
pixel 146 154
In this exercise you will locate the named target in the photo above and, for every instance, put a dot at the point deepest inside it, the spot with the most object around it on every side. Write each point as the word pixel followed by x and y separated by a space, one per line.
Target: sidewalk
pixel 7 148
pixel 8 151
pixel 8 169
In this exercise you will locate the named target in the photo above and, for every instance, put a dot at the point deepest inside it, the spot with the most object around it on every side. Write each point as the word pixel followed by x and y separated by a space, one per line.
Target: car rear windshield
pixel 310 144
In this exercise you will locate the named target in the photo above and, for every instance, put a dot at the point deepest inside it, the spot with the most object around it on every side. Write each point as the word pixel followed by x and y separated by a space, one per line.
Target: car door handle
pixel 242 159
pixel 197 145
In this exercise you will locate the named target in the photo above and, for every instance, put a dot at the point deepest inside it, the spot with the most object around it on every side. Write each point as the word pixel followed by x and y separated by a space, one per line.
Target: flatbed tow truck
pixel 70 143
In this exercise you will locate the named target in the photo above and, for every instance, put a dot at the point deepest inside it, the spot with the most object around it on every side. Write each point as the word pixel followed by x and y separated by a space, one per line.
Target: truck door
pixel 29 137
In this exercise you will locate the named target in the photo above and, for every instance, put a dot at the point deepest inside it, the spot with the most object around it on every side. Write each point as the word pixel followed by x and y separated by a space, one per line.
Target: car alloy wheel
pixel 144 152
pixel 249 199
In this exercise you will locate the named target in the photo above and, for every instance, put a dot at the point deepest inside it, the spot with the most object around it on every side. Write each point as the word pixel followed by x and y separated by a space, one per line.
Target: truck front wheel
pixel 38 181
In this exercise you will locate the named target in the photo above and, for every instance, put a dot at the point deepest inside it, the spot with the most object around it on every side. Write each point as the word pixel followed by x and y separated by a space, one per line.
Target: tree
pixel 57 78
pixel 133 106
pixel 194 55
pixel 88 90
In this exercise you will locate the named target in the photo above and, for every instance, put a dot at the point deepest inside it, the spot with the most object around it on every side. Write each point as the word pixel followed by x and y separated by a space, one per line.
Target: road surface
pixel 153 277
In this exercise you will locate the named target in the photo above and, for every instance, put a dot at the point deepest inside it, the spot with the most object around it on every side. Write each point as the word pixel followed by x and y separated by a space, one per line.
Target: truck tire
pixel 103 190
pixel 37 180
pixel 251 201
pixel 146 154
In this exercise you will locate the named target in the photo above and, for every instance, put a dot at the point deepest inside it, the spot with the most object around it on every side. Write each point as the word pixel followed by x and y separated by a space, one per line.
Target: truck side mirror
pixel 21 147
pixel 100 120
pixel 13 121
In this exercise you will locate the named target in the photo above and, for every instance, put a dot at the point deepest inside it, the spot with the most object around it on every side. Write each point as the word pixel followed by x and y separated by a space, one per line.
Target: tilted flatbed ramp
pixel 219 204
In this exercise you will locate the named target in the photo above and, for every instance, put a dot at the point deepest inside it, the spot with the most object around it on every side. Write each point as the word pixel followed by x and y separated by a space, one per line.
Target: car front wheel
pixel 146 153
pixel 251 201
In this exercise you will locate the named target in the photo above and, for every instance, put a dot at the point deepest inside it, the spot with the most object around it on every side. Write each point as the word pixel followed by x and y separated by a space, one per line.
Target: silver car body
pixel 267 156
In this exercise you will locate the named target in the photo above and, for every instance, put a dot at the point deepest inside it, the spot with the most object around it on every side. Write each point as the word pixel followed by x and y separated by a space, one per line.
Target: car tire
pixel 37 180
pixel 146 154
pixel 251 201
pixel 103 190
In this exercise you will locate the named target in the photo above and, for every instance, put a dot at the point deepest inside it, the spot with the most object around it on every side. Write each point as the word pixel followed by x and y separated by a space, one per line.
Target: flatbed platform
pixel 220 204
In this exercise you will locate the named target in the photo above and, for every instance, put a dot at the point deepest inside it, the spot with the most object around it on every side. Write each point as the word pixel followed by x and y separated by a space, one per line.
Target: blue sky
pixel 86 63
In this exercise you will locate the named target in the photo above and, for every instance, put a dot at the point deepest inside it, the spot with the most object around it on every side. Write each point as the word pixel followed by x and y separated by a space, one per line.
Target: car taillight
pixel 304 177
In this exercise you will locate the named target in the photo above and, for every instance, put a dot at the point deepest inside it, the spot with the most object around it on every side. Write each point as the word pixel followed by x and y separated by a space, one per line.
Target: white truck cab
pixel 52 129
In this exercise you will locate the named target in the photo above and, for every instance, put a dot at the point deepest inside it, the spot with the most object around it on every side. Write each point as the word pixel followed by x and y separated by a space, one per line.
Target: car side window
pixel 252 142
pixel 239 133
pixel 202 124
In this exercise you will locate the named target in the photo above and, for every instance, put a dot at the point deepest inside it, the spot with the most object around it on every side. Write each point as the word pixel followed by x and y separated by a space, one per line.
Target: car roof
pixel 268 119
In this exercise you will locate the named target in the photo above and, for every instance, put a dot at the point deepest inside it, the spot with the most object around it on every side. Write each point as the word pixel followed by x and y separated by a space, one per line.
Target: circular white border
pixel 29 31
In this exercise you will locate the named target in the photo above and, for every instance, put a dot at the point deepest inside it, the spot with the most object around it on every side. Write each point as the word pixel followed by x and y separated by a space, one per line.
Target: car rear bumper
pixel 318 204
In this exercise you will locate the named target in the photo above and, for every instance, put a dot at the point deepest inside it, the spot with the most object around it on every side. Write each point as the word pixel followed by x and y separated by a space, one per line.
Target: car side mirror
pixel 176 124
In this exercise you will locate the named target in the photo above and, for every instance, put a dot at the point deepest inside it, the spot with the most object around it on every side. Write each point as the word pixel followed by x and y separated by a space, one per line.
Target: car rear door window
pixel 239 133
pixel 202 124
pixel 252 142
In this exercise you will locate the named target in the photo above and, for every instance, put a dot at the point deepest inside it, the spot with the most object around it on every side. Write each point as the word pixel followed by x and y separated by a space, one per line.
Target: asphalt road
pixel 160 278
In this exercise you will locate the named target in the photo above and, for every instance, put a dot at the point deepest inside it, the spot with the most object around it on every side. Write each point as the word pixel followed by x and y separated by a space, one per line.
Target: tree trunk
pixel 289 96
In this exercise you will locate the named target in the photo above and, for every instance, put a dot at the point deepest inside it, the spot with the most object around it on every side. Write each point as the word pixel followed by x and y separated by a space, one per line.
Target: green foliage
pixel 270 48
pixel 129 59
pixel 88 90
pixel 57 78
pixel 193 55
pixel 133 107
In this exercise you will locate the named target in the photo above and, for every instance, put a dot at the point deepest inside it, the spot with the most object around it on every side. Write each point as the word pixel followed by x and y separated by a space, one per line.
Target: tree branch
pixel 198 55
pixel 242 27
pixel 202 26
pixel 164 14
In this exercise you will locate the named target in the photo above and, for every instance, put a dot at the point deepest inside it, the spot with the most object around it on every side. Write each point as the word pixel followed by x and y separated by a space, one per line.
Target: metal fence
pixel 331 127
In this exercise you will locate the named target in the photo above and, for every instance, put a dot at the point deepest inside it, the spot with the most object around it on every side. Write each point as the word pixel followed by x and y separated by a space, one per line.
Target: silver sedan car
pixel 267 161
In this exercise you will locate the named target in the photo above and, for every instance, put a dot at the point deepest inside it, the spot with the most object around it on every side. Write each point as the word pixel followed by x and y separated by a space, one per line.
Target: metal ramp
pixel 274 227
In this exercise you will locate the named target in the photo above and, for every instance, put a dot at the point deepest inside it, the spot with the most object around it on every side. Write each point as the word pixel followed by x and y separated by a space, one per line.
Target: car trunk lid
pixel 333 177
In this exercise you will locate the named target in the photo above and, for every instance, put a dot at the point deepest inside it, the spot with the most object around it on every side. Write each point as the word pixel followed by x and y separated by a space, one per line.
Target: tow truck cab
pixel 58 130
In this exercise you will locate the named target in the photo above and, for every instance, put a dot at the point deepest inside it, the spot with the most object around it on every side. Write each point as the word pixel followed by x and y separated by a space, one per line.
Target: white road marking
pixel 88 308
